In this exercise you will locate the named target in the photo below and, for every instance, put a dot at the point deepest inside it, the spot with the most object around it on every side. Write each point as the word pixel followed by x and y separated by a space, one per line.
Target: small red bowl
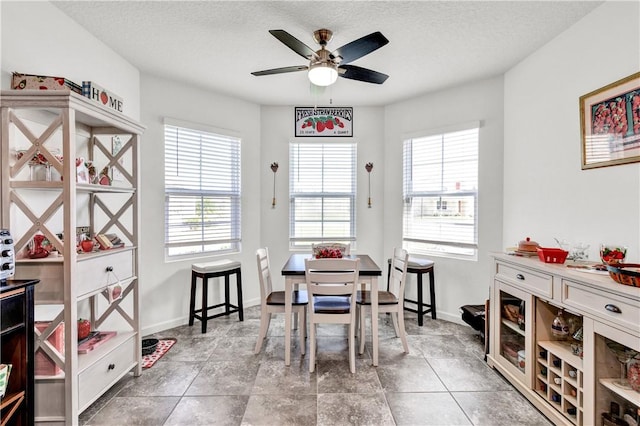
pixel 624 276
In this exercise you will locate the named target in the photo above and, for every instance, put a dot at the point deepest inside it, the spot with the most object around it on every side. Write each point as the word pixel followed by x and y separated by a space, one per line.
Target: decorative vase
pixel 87 246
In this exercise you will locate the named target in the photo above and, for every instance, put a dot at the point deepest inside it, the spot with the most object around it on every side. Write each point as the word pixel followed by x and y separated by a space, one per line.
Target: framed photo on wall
pixel 610 124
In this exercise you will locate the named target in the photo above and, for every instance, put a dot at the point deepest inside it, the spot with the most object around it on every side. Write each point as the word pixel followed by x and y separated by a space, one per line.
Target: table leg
pixel 374 319
pixel 288 290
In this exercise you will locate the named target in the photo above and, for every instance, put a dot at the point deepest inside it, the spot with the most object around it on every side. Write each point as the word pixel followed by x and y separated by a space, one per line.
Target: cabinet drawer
pixel 93 381
pixel 533 281
pixel 93 274
pixel 595 302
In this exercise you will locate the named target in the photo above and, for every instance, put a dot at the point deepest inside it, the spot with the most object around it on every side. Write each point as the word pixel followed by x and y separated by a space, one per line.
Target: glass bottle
pixel 559 327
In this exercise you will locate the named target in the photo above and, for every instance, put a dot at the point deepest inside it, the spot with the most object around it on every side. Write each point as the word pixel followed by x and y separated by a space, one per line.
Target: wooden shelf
pixel 628 394
pixel 512 326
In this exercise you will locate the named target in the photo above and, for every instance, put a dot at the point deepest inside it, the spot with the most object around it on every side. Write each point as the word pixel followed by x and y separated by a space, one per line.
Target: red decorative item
pixel 37 251
pixel 329 253
pixel 84 328
pixel 552 255
pixel 86 245
pixel 625 273
pixel 612 254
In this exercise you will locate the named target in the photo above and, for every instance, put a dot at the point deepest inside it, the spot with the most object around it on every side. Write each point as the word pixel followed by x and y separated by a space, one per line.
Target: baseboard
pixel 177 322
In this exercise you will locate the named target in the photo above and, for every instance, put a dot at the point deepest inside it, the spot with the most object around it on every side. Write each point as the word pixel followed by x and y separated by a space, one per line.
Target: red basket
pixel 552 255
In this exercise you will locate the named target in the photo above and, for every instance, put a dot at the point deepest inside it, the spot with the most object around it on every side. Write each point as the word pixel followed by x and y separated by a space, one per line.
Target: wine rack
pixel 559 379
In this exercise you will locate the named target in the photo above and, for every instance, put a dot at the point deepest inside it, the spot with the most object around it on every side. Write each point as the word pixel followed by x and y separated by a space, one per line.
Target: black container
pixel 149 346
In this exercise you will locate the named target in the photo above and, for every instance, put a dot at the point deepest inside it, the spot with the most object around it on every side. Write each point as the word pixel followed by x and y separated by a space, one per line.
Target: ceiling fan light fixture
pixel 323 74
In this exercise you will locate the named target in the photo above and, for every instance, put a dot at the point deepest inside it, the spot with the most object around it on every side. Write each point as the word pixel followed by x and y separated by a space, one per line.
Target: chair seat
pixel 216 266
pixel 417 263
pixel 299 297
pixel 332 304
pixel 384 298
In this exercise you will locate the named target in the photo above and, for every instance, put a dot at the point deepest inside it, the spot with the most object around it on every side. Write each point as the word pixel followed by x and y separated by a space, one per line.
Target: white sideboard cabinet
pixel 47 194
pixel 571 381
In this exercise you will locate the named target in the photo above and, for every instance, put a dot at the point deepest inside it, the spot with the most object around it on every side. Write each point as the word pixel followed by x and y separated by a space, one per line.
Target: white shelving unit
pixel 62 122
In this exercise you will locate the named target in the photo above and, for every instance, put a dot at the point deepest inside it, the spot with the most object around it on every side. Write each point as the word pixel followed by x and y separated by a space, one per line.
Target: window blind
pixel 322 188
pixel 440 189
pixel 202 191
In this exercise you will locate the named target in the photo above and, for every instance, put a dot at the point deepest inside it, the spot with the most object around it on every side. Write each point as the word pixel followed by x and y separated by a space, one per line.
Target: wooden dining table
pixel 294 273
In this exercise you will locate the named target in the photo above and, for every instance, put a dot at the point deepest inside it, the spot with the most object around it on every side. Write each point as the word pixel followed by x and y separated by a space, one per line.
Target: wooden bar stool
pixel 420 267
pixel 208 270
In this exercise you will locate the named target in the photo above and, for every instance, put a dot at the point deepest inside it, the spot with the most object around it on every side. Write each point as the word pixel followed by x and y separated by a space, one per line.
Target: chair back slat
pixel 331 277
pixel 264 273
pixel 398 277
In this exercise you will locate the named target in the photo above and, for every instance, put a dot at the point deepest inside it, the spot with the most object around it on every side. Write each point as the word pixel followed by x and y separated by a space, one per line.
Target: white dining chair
pixel 272 302
pixel 332 285
pixel 389 301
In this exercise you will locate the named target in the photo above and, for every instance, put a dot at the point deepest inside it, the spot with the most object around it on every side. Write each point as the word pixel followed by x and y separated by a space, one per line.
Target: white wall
pixel 458 282
pixel 165 285
pixel 276 133
pixel 39 39
pixel 546 194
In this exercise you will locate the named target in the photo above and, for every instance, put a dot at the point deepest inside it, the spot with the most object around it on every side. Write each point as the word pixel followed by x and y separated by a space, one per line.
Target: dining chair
pixel 332 285
pixel 389 301
pixel 272 302
pixel 345 248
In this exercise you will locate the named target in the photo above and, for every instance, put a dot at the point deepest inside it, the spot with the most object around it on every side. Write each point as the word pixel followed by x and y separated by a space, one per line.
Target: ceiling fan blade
pixel 281 70
pixel 360 47
pixel 361 74
pixel 294 44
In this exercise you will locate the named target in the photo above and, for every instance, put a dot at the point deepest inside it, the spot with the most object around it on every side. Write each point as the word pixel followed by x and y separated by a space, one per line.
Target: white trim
pixel 203 128
pixel 476 124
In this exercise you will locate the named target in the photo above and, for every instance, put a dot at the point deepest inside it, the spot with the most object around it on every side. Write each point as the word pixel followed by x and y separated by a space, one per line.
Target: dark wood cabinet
pixel 17 349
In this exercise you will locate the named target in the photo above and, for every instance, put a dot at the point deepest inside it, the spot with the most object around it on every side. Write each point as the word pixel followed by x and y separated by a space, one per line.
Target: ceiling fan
pixel 325 66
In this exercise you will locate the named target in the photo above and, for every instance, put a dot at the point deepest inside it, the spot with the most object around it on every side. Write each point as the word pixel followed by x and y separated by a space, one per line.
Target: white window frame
pixel 440 242
pixel 205 183
pixel 299 242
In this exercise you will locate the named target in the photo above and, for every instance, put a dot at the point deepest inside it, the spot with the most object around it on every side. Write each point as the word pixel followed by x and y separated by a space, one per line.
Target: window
pixel 202 191
pixel 441 193
pixel 322 185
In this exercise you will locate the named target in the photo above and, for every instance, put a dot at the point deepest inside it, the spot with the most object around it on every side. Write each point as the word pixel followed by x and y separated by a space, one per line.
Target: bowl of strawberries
pixel 611 254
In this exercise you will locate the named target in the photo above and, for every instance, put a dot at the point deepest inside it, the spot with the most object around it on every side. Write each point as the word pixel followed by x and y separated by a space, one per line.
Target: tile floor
pixel 215 379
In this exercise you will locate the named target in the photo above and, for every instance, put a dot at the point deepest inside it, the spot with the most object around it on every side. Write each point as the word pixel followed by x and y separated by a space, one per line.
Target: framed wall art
pixel 610 124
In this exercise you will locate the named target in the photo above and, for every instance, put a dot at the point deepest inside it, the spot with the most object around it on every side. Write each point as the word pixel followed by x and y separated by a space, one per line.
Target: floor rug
pixel 163 347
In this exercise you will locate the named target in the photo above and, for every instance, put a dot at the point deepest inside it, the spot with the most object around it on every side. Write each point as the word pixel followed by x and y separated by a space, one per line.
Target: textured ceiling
pixel 432 44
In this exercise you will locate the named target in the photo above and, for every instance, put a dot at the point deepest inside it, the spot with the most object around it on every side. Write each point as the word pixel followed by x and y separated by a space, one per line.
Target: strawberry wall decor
pixel 274 169
pixel 369 167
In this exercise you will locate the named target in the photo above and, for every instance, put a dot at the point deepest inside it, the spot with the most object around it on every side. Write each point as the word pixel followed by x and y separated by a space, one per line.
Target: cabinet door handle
pixel 111 367
pixel 520 277
pixel 109 269
pixel 612 308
